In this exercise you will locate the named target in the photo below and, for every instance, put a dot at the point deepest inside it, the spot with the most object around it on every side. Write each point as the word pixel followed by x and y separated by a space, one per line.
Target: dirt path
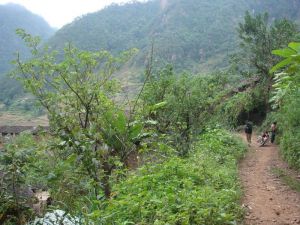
pixel 266 199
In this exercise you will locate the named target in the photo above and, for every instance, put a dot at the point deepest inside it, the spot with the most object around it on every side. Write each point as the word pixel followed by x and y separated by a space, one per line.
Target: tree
pixel 188 102
pixel 76 93
pixel 258 38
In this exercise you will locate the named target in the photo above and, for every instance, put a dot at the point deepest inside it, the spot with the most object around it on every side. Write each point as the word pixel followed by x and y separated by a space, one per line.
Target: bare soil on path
pixel 267 200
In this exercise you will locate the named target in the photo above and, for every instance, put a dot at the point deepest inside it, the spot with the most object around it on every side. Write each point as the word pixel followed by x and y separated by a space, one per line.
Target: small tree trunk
pixel 269 89
pixel 188 130
pixel 106 187
pixel 105 180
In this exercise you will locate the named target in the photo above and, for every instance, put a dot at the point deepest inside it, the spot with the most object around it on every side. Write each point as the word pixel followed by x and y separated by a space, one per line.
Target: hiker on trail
pixel 248 131
pixel 273 131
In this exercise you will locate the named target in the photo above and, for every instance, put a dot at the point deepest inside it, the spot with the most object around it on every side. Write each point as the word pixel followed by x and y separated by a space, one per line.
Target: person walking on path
pixel 273 131
pixel 248 132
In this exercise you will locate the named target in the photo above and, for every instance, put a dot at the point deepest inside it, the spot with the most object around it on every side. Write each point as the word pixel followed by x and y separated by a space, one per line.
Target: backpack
pixel 248 128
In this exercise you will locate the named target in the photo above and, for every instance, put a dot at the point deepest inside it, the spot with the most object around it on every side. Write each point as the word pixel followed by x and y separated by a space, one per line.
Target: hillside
pixel 14 16
pixel 193 34
pixel 170 153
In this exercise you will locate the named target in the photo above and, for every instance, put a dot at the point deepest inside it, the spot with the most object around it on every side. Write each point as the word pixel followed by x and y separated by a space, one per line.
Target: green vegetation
pixel 80 112
pixel 10 89
pixel 280 90
pixel 248 98
pixel 259 38
pixel 163 156
pixel 15 162
pixel 190 34
pixel 199 189
pixel 84 163
pixel 286 101
pixel 188 102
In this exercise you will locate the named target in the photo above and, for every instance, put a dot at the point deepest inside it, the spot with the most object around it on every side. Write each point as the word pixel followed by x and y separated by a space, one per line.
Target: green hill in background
pixel 192 34
pixel 14 16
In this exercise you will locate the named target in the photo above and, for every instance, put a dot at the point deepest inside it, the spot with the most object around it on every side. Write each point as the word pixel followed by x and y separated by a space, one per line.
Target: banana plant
pixel 287 72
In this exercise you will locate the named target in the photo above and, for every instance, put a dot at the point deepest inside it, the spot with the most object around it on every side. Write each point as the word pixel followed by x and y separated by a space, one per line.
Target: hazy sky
pixel 60 12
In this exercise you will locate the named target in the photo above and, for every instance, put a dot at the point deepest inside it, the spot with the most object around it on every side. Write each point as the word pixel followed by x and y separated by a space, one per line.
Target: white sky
pixel 60 12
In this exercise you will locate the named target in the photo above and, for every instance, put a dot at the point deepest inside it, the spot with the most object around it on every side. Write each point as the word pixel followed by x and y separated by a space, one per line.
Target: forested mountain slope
pixel 12 17
pixel 187 33
pixel 191 34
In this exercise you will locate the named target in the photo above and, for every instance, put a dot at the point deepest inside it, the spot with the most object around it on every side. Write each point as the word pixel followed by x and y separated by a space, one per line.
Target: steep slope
pixel 192 34
pixel 115 28
pixel 14 16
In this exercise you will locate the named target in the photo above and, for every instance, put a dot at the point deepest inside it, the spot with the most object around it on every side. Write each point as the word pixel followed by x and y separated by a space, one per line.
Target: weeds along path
pixel 267 200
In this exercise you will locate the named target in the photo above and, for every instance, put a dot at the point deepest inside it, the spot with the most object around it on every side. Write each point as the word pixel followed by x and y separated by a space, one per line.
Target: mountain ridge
pixel 193 35
pixel 12 17
pixel 198 35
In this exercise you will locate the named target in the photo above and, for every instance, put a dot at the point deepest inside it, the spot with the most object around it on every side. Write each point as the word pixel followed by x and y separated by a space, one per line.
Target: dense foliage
pixel 158 158
pixel 188 103
pixel 258 37
pixel 85 158
pixel 200 189
pixel 286 100
pixel 10 89
pixel 191 34
pixel 76 94
pixel 15 195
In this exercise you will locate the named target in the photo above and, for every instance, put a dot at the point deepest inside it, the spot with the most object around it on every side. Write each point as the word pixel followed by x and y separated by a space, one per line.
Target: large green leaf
pixel 135 130
pixel 281 64
pixel 159 105
pixel 295 46
pixel 121 122
pixel 286 52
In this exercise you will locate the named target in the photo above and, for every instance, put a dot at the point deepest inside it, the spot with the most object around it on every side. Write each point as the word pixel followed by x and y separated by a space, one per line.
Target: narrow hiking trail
pixel 267 200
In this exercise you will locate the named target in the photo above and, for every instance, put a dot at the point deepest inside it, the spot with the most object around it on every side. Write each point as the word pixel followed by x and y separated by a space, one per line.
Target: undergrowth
pixel 200 189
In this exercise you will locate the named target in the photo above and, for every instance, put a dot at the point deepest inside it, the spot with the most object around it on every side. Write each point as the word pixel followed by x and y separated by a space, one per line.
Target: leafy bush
pixel 189 102
pixel 289 122
pixel 200 189
pixel 286 101
pixel 15 195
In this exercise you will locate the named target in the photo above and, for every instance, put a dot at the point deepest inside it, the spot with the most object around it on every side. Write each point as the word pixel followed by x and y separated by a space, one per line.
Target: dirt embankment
pixel 10 119
pixel 267 200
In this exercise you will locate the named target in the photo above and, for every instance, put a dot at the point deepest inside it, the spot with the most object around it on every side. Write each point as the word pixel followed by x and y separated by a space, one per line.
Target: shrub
pixel 200 189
